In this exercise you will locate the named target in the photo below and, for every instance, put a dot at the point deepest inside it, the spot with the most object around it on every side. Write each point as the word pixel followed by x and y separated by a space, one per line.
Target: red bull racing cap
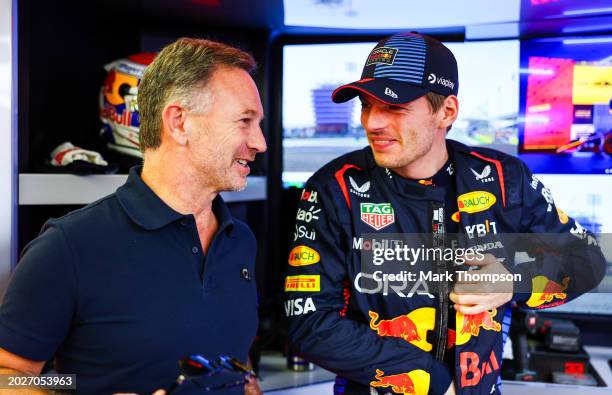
pixel 403 67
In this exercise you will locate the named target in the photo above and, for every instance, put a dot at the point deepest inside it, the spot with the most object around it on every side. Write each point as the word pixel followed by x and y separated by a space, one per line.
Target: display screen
pixel 566 104
pixel 316 130
pixel 585 198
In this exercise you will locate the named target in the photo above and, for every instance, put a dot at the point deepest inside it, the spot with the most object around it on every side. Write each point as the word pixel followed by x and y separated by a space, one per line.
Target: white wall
pixel 8 152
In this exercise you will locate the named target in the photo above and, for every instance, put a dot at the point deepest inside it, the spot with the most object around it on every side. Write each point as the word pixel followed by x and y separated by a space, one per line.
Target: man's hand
pixel 252 386
pixel 476 297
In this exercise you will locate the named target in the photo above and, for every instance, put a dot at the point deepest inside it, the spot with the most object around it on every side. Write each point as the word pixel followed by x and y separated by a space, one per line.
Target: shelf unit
pixel 58 61
pixel 69 189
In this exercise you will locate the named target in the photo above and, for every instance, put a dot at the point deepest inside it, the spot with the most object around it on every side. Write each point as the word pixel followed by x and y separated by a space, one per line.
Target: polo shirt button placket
pixel 194 249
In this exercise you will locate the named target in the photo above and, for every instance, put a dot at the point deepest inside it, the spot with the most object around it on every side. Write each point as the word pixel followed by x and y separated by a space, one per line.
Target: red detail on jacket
pixel 500 172
pixel 346 293
pixel 340 178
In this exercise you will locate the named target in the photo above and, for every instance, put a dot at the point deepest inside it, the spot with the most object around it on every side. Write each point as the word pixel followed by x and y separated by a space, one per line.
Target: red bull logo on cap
pixel 469 325
pixel 544 291
pixel 415 382
pixel 382 55
pixel 405 327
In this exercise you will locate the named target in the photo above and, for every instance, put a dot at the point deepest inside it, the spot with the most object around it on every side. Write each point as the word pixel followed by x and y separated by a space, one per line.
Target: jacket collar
pixel 147 210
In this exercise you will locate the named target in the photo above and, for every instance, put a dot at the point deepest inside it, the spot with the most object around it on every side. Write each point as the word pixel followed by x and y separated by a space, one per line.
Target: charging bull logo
pixel 405 328
pixel 544 291
pixel 451 339
pixel 415 382
pixel 470 325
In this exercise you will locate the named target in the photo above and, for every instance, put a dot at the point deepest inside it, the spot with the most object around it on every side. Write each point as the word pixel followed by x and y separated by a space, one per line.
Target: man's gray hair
pixel 181 72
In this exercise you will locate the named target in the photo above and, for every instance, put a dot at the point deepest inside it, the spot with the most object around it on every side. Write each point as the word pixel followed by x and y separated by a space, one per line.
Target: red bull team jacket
pixel 392 339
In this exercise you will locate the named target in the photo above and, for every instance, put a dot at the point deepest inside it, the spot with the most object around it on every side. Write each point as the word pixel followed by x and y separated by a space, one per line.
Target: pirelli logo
pixel 303 283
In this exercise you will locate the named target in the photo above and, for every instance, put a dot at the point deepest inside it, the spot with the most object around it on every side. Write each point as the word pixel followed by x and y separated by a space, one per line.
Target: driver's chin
pixel 386 160
pixel 236 184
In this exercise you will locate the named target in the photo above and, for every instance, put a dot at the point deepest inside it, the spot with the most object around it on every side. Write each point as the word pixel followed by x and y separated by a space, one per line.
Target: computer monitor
pixel 316 130
pixel 566 104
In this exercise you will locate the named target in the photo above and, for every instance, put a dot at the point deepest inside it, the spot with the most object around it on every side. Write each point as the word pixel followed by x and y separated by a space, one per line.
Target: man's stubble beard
pixel 214 173
pixel 238 188
pixel 228 181
pixel 412 150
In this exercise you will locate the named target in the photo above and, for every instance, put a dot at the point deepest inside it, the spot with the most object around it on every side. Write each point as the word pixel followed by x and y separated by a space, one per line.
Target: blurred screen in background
pixel 316 130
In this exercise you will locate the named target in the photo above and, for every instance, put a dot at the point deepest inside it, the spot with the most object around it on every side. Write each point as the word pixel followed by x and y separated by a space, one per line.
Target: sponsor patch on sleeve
pixel 303 256
pixel 475 201
pixel 563 218
pixel 303 283
pixel 546 292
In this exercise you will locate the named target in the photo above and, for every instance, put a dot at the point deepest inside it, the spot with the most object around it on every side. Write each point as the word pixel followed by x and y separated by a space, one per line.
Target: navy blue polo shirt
pixel 119 290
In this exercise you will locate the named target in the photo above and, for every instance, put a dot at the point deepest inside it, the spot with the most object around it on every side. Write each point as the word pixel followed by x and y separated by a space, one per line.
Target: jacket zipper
pixel 439 239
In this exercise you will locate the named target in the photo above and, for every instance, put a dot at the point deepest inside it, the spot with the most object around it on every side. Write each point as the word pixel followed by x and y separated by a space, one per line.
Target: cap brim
pixel 383 89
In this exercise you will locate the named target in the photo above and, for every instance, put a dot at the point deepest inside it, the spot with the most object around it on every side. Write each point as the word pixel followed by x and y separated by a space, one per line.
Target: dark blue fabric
pixel 114 291
pixel 342 330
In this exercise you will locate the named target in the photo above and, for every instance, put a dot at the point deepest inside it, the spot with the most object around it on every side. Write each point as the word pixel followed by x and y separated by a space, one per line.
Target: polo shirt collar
pixel 223 214
pixel 147 210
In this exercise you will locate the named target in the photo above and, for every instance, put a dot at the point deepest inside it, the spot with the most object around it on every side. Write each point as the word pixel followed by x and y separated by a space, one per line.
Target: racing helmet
pixel 118 106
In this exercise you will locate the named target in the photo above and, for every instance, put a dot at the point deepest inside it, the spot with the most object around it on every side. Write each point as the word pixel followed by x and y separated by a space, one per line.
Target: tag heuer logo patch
pixel 378 215
pixel 382 55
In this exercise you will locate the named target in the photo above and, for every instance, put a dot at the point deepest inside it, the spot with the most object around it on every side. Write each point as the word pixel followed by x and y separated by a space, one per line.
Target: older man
pixel 382 334
pixel 118 291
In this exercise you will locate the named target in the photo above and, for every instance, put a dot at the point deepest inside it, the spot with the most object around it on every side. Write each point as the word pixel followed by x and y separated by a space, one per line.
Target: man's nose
pixel 257 140
pixel 375 119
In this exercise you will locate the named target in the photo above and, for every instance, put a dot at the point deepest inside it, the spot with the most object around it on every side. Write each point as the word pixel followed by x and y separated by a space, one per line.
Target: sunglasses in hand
pixel 196 366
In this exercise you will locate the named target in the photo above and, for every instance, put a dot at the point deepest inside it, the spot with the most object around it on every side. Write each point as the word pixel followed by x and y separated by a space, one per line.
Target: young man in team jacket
pixel 379 333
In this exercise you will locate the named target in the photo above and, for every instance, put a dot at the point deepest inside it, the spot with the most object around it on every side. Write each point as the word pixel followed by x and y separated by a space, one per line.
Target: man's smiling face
pixel 398 134
pixel 226 137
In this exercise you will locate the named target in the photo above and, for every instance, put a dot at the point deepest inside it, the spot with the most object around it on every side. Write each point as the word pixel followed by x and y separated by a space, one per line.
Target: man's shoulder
pixel 101 213
pixel 359 160
pixel 244 231
pixel 511 172
pixel 74 229
pixel 485 155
